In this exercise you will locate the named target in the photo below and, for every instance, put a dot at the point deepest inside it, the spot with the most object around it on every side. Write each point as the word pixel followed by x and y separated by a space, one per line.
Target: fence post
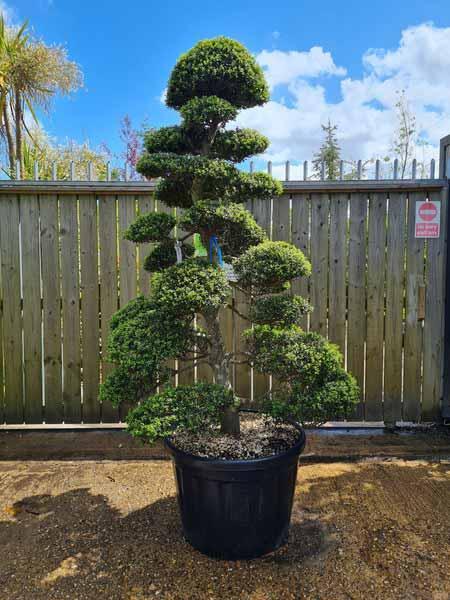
pixel 444 172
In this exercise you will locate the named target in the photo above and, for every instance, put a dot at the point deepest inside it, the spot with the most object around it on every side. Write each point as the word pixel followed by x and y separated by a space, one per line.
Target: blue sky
pixel 127 49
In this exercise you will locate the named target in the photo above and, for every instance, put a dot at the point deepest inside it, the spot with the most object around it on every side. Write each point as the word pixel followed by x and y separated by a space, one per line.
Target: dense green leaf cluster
pixel 207 112
pixel 147 337
pixel 270 266
pixel 164 255
pixel 234 226
pixel 150 227
pixel 189 407
pixel 193 286
pixel 332 400
pixel 238 144
pixel 279 310
pixel 142 339
pixel 312 385
pixel 167 139
pixel 218 67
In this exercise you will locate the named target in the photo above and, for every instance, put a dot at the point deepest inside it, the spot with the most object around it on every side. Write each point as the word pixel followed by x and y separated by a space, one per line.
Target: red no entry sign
pixel 428 219
pixel 427 211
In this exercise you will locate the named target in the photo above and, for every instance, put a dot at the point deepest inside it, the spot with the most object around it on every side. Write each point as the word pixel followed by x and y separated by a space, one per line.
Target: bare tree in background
pixel 403 144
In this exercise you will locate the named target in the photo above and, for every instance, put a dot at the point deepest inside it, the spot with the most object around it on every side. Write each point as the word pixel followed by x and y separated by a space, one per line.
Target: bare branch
pixel 235 310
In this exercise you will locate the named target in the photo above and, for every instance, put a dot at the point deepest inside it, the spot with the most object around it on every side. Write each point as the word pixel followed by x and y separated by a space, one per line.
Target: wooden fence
pixel 378 291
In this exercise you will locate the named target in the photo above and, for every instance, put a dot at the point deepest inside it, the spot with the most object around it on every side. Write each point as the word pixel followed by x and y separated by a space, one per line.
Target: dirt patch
pixel 259 436
pixel 91 530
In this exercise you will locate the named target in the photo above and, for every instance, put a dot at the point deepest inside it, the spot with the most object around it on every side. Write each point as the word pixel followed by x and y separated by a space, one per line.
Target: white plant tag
pixel 229 271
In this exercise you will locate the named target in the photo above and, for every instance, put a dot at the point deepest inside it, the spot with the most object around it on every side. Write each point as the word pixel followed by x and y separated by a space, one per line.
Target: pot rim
pixel 296 449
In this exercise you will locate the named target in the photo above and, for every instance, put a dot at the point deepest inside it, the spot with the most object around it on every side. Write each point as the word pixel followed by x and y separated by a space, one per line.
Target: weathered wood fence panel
pixel 378 292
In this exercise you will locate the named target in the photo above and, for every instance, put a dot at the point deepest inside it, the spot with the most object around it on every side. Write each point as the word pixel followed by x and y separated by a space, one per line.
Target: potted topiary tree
pixel 235 472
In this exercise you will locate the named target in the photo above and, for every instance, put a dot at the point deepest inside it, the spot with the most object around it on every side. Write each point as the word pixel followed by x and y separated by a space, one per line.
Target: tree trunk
pixel 220 365
pixel 9 140
pixel 19 138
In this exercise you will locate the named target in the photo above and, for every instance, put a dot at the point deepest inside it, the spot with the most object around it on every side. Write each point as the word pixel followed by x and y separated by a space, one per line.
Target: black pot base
pixel 236 509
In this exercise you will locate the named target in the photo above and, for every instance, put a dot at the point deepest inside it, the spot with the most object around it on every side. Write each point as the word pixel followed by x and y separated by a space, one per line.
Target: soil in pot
pixel 261 436
pixel 235 494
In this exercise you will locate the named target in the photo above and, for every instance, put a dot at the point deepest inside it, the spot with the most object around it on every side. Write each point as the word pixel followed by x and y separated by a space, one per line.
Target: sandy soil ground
pixel 93 530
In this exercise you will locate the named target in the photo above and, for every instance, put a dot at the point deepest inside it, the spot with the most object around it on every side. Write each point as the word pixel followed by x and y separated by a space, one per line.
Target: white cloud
pixel 163 96
pixel 283 67
pixel 365 111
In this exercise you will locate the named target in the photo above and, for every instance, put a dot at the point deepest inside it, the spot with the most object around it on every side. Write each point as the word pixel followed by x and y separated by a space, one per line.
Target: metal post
pixel 444 172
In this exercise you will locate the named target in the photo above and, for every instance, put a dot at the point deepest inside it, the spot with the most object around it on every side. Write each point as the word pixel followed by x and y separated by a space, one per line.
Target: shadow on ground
pixel 377 530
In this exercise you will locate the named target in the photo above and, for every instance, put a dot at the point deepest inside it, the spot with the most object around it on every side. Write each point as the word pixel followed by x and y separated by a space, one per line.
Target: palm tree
pixel 32 74
pixel 12 43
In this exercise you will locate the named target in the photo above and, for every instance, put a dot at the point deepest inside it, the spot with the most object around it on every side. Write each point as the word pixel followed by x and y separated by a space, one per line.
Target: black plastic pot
pixel 236 509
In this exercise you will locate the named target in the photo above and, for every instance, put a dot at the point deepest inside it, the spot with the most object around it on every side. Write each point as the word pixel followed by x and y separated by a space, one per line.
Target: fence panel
pixel 70 287
pixel 356 299
pixel 378 292
pixel 109 293
pixel 12 313
pixel 90 322
pixel 32 318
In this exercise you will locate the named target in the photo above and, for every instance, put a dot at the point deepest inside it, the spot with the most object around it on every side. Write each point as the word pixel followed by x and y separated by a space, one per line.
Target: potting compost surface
pixel 259 436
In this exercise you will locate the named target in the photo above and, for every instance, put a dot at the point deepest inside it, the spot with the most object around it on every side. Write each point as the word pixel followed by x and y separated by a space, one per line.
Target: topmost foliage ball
pixel 218 67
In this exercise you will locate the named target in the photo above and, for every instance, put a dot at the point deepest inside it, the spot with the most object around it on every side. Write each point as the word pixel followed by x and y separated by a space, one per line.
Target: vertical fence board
pixel 108 286
pixel 90 317
pixel 146 204
pixel 375 307
pixel 70 309
pixel 300 238
pixel 261 210
pixel 51 308
pixel 433 332
pixel 127 250
pixel 357 293
pixel 338 265
pixel 32 318
pixel 12 317
pixel 319 260
pixel 395 276
pixel 281 228
pixel 413 325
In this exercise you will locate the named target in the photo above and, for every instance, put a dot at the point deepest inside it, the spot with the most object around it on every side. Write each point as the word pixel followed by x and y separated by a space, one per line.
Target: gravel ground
pixel 94 530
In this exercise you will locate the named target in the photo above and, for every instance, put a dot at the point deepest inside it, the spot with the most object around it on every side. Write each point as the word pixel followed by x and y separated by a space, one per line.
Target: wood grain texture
pixel 127 250
pixel 109 289
pixel 320 262
pixel 356 334
pixel 90 312
pixel 395 291
pixel 51 308
pixel 12 317
pixel 32 317
pixel 433 332
pixel 301 239
pixel 338 268
pixel 146 204
pixel 375 306
pixel 70 288
pixel 415 282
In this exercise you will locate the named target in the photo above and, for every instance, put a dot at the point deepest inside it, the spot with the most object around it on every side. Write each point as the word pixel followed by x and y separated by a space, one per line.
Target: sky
pixel 344 61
